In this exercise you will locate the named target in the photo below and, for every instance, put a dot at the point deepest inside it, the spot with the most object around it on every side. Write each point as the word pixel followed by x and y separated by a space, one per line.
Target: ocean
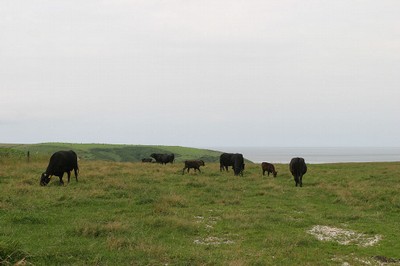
pixel 317 155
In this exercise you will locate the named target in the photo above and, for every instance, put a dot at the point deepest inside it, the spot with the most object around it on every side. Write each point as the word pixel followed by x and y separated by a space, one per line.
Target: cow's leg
pixel 76 174
pixel 268 173
pixel 199 169
pixel 263 172
pixel 69 175
pixel 301 181
pixel 183 170
pixel 61 181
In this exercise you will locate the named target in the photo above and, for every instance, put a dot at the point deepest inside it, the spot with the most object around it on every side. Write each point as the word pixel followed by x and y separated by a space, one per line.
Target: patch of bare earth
pixel 352 259
pixel 343 236
pixel 385 260
pixel 209 223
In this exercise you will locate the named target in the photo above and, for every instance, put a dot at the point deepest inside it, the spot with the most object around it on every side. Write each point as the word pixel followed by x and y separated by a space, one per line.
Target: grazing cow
pixel 232 159
pixel 225 160
pixel 238 164
pixel 163 158
pixel 298 168
pixel 147 160
pixel 195 164
pixel 61 162
pixel 268 167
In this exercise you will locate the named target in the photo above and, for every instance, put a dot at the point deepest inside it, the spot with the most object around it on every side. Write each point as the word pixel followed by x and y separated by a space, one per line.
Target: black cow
pixel 268 167
pixel 232 159
pixel 238 164
pixel 61 162
pixel 225 160
pixel 147 160
pixel 298 168
pixel 195 164
pixel 163 158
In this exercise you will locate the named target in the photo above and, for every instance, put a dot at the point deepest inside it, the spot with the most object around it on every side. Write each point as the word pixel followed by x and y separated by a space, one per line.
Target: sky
pixel 201 73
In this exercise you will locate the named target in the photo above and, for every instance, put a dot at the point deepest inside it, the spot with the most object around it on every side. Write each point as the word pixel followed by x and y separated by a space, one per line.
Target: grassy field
pixel 122 213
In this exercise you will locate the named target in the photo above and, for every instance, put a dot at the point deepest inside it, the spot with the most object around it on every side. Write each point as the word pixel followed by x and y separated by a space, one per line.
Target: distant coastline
pixel 317 154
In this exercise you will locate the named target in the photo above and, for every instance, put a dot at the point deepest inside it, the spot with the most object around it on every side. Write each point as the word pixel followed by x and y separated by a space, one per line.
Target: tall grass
pixel 149 214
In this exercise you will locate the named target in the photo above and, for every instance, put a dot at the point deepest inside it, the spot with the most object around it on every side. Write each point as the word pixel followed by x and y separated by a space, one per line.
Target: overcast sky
pixel 201 73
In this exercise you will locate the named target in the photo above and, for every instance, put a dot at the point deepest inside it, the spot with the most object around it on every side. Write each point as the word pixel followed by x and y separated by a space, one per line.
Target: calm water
pixel 316 155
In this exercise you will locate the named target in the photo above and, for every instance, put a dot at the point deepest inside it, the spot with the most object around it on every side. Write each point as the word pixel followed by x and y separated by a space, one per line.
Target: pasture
pixel 122 213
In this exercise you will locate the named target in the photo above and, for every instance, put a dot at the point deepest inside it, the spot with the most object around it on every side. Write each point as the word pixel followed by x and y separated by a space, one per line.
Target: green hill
pixel 110 152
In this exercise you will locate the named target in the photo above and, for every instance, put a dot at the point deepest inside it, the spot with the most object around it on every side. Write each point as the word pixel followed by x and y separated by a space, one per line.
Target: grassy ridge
pixel 113 152
pixel 133 213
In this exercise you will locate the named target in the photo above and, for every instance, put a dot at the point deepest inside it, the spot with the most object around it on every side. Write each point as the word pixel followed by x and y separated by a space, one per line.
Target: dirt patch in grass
pixel 386 260
pixel 209 223
pixel 343 236
pixel 353 259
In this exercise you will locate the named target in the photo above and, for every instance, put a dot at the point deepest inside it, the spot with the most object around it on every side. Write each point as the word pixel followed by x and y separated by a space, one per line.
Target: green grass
pixel 123 213
pixel 110 152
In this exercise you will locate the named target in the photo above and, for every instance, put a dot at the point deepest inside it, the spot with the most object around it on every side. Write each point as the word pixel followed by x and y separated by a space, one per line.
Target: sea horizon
pixel 316 155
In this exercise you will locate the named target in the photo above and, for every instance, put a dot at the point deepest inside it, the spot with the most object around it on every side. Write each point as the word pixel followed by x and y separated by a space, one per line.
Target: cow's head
pixel 275 173
pixel 238 169
pixel 202 163
pixel 44 179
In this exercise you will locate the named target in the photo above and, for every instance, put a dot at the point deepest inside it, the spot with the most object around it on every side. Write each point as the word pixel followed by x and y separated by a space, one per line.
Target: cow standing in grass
pixel 195 164
pixel 61 162
pixel 298 168
pixel 232 159
pixel 269 168
pixel 225 160
pixel 163 158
